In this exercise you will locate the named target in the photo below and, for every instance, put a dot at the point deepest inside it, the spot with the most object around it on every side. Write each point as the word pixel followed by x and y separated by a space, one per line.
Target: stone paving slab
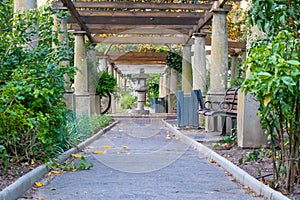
pixel 143 160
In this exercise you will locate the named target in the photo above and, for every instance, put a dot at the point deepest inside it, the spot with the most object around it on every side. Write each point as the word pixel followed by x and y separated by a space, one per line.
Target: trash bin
pixel 158 105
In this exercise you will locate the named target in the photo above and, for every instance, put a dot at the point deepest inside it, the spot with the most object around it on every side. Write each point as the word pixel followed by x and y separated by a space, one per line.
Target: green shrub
pixel 128 101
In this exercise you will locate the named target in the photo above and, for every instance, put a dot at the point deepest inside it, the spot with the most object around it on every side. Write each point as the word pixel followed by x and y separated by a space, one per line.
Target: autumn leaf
pixel 267 100
pixel 168 137
pixel 98 152
pixel 41 198
pixel 212 161
pixel 56 172
pixel 106 146
pixel 76 155
pixel 245 187
pixel 124 147
pixel 38 184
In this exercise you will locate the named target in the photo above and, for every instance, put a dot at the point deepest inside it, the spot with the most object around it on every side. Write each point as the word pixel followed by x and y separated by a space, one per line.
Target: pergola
pixel 197 23
pixel 159 22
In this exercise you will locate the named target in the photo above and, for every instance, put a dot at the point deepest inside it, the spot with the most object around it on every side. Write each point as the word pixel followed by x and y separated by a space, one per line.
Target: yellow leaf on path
pixel 49 174
pixel 124 147
pixel 98 152
pixel 41 198
pixel 168 137
pixel 38 184
pixel 76 155
pixel 245 187
pixel 267 100
pixel 212 161
pixel 56 172
pixel 106 146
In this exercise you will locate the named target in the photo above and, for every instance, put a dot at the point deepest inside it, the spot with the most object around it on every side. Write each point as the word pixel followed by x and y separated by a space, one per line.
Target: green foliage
pixel 32 113
pixel 71 165
pixel 106 84
pixel 174 60
pixel 152 86
pixel 4 157
pixel 82 127
pixel 274 80
pixel 128 101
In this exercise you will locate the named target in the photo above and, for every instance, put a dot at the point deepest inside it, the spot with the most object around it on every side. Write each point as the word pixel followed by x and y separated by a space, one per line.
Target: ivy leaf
pixel 288 80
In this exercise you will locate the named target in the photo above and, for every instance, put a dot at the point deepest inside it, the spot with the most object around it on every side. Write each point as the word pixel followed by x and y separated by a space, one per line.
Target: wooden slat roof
pixel 142 22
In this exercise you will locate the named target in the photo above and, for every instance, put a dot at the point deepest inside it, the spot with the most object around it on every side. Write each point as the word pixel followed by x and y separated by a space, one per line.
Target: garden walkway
pixel 141 159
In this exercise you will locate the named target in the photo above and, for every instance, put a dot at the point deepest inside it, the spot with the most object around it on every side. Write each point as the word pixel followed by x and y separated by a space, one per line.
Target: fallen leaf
pixel 49 174
pixel 98 152
pixel 76 155
pixel 124 147
pixel 38 184
pixel 106 146
pixel 212 161
pixel 56 172
pixel 41 198
pixel 245 187
pixel 168 137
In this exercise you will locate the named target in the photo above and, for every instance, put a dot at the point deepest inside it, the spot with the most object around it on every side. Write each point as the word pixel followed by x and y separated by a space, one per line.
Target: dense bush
pixel 274 61
pixel 32 113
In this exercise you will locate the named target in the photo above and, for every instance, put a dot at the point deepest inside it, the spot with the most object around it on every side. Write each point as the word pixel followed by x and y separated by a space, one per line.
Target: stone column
pixel 81 81
pixel 199 67
pixel 161 86
pixel 21 6
pixel 84 93
pixel 219 53
pixel 186 70
pixel 113 99
pixel 103 63
pixel 234 66
pixel 219 65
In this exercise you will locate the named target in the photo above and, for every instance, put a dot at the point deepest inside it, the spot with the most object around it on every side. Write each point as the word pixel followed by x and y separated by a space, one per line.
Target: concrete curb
pixel 24 183
pixel 240 175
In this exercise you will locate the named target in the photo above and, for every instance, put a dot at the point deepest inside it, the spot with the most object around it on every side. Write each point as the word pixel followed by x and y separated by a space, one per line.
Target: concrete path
pixel 140 159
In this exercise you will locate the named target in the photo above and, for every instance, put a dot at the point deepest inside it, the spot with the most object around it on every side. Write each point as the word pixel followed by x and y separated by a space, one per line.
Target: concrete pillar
pixel 173 81
pixel 103 66
pixel 249 131
pixel 234 66
pixel 21 6
pixel 81 81
pixel 161 86
pixel 113 99
pixel 84 91
pixel 219 64
pixel 219 53
pixel 186 70
pixel 199 66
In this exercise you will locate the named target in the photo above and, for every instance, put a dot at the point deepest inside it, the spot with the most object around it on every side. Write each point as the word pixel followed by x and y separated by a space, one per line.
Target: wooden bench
pixel 227 108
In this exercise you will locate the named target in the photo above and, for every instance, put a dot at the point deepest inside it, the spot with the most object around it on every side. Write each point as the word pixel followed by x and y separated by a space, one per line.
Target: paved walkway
pixel 140 159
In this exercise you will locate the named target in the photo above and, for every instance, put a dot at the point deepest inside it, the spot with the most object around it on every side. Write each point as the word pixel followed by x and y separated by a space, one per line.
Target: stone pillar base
pixel 97 105
pixel 69 99
pixel 171 103
pixel 85 104
pixel 249 131
pixel 141 112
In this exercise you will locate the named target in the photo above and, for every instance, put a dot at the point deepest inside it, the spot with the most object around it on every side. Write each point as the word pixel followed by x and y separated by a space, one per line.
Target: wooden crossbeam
pixel 135 29
pixel 140 40
pixel 137 5
pixel 100 13
pixel 69 4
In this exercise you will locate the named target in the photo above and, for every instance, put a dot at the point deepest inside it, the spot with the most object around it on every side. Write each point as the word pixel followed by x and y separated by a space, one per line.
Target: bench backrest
pixel 231 99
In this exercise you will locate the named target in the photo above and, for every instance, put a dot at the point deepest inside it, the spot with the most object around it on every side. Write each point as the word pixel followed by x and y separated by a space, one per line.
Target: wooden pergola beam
pixel 137 20
pixel 140 40
pixel 69 4
pixel 135 29
pixel 137 5
pixel 105 13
